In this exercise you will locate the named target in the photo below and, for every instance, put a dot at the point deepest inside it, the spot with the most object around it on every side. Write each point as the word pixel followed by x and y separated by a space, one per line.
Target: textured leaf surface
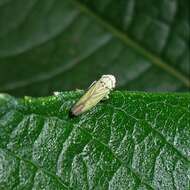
pixel 131 141
pixel 56 45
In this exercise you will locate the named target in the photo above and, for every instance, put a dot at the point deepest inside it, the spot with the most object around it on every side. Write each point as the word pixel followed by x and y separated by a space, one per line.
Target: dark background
pixel 56 45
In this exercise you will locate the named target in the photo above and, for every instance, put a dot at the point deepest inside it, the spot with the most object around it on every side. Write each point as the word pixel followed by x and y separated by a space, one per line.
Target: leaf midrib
pixel 155 60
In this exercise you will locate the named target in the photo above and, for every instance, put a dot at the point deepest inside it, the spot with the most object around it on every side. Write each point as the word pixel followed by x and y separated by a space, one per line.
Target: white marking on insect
pixel 97 91
pixel 56 93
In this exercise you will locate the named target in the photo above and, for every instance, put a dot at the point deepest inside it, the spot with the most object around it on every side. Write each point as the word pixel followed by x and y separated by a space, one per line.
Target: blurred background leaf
pixel 61 45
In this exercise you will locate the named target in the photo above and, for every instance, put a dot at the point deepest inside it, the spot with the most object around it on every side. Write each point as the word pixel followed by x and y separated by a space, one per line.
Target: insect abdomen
pixel 77 109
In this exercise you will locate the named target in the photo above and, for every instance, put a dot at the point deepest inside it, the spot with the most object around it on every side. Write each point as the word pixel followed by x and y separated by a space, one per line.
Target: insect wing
pixel 88 94
pixel 98 94
pixel 80 105
pixel 94 95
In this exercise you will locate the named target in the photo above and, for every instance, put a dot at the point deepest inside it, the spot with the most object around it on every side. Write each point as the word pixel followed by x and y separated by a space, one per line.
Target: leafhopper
pixel 97 91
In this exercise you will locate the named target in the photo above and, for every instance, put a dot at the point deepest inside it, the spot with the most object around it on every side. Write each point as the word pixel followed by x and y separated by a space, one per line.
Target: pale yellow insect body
pixel 97 91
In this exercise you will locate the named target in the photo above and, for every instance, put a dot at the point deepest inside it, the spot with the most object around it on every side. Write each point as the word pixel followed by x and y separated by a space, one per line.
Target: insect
pixel 97 91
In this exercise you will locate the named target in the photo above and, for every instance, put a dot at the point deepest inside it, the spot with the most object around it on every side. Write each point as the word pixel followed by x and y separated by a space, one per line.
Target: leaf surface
pixel 131 141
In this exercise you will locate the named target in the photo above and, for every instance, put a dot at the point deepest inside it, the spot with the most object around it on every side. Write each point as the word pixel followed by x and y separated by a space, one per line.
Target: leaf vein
pixel 35 165
pixel 156 132
pixel 136 46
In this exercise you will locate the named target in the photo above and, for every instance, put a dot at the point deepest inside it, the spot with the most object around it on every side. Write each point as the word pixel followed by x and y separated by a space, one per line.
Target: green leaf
pixel 131 141
pixel 48 46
